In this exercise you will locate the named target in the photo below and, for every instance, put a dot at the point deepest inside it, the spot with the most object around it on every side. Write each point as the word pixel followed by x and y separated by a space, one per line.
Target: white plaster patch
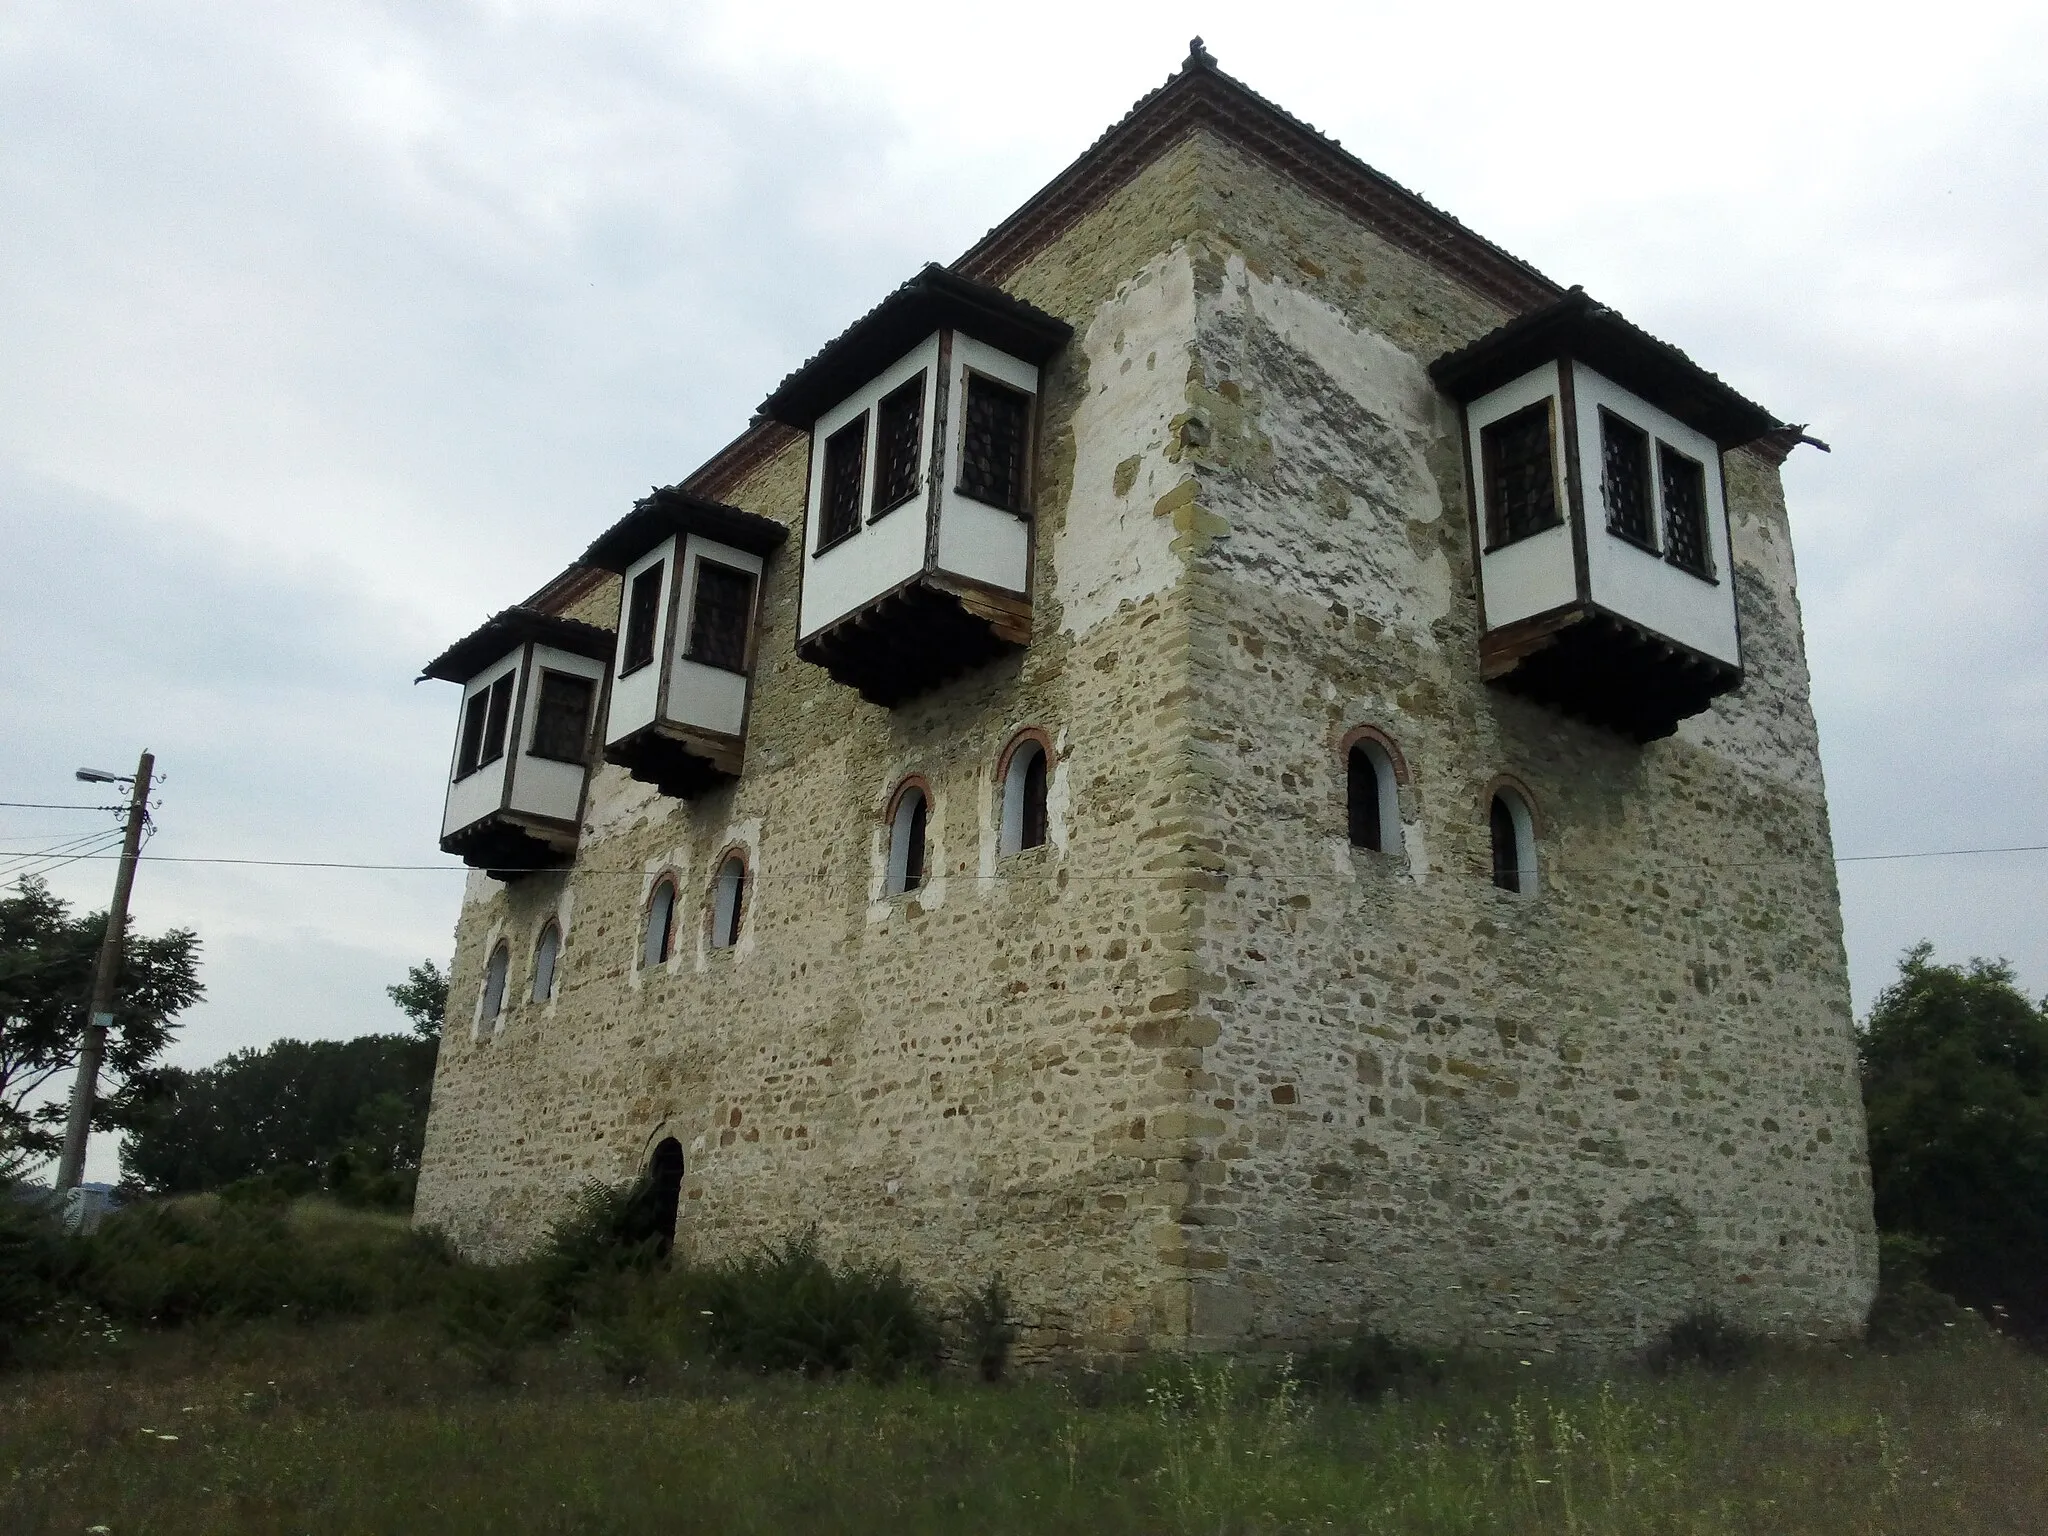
pixel 618 803
pixel 1333 522
pixel 1112 549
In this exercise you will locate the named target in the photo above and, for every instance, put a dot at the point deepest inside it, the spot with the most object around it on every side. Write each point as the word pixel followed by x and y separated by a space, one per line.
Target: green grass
pixel 375 1425
pixel 222 1368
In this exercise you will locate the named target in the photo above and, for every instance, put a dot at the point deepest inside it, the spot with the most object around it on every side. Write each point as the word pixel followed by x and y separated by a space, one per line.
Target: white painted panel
pixel 984 543
pixel 709 698
pixel 882 553
pixel 478 795
pixel 634 695
pixel 976 540
pixel 1532 575
pixel 1631 581
pixel 541 786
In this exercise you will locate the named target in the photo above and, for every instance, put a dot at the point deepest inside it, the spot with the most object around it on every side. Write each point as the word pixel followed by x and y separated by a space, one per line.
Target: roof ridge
pixel 1201 94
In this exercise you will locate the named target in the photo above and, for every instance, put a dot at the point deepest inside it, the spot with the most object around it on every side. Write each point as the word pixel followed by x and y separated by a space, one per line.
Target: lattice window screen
pixel 1684 482
pixel 1521 479
pixel 992 455
pixel 1625 480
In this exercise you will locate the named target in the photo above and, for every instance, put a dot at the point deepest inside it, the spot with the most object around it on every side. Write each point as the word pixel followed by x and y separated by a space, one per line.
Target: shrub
pixel 489 1315
pixel 985 1317
pixel 37 1260
pixel 783 1308
pixel 1368 1364
pixel 1705 1339
pixel 1909 1311
pixel 608 1229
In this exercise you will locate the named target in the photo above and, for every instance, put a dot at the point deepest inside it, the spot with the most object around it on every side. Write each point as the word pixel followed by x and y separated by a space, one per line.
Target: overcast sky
pixel 326 330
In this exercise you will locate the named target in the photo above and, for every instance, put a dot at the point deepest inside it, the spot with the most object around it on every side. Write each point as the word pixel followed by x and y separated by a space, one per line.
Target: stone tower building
pixel 1237 755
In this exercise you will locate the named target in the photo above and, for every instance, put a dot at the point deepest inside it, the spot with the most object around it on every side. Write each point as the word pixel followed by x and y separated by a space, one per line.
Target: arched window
pixel 665 1174
pixel 547 948
pixel 1024 776
pixel 494 986
pixel 907 841
pixel 661 923
pixel 1512 832
pixel 728 902
pixel 1372 805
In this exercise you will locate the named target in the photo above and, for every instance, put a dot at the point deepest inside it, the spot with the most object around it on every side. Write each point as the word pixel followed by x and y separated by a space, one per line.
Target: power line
pixel 46 805
pixel 1854 858
pixel 91 844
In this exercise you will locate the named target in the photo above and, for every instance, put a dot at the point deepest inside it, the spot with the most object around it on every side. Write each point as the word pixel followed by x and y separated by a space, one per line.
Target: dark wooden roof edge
pixel 669 509
pixel 722 473
pixel 574 584
pixel 1580 327
pixel 933 299
pixel 513 627
pixel 1200 95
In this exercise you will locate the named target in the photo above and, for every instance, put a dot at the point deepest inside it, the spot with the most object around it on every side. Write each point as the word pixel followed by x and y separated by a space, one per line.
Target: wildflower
pixel 167 1437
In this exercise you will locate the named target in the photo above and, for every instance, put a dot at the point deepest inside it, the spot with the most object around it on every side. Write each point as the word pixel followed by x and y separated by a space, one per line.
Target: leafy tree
pixel 1955 1085
pixel 46 961
pixel 423 998
pixel 349 1115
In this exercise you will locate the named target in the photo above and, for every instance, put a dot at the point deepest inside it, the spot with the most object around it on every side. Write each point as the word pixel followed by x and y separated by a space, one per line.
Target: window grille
pixel 720 613
pixel 499 716
pixel 1625 480
pixel 561 722
pixel 846 462
pixel 643 614
pixel 899 445
pixel 544 955
pixel 1521 479
pixel 1684 482
pixel 992 453
pixel 470 758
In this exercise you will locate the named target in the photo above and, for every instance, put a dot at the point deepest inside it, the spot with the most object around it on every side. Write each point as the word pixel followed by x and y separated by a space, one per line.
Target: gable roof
pixel 1200 95
pixel 1579 327
pixel 932 300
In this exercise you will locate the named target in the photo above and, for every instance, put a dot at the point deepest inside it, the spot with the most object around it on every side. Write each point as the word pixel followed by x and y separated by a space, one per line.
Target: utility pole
pixel 106 978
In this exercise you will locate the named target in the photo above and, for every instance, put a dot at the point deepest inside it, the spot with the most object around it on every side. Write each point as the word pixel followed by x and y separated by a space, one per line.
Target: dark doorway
pixel 666 1174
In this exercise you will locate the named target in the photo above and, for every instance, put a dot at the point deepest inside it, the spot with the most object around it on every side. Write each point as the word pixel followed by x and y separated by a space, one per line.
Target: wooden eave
pixel 933 300
pixel 1578 327
pixel 668 510
pixel 514 627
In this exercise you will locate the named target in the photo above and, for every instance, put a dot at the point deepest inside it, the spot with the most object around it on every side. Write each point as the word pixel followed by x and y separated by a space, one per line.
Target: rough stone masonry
pixel 1198 1073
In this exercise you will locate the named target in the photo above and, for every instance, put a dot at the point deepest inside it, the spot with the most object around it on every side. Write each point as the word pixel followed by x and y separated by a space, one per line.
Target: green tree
pixel 1955 1085
pixel 346 1114
pixel 46 960
pixel 423 998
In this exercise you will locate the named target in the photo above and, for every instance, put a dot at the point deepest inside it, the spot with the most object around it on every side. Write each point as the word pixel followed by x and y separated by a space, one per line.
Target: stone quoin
pixel 941 815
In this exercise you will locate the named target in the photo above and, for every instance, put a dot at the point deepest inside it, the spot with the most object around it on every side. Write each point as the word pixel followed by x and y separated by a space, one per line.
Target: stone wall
pixel 1556 1121
pixel 1198 1070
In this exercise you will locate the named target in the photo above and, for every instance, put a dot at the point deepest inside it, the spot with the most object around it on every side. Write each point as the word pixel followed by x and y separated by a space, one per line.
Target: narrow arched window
pixel 661 921
pixel 545 952
pixel 1512 832
pixel 1372 806
pixel 907 842
pixel 665 1175
pixel 494 985
pixel 1024 821
pixel 728 902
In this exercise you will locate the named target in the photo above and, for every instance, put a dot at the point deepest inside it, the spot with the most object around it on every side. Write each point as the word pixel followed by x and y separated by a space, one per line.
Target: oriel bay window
pixel 1617 618
pixel 530 683
pixel 690 596
pixel 918 513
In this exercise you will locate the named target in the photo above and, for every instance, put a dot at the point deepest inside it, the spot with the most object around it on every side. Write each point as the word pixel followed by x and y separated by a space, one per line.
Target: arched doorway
pixel 665 1172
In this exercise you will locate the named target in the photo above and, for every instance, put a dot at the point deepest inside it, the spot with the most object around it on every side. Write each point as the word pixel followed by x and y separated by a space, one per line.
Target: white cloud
pixel 331 329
